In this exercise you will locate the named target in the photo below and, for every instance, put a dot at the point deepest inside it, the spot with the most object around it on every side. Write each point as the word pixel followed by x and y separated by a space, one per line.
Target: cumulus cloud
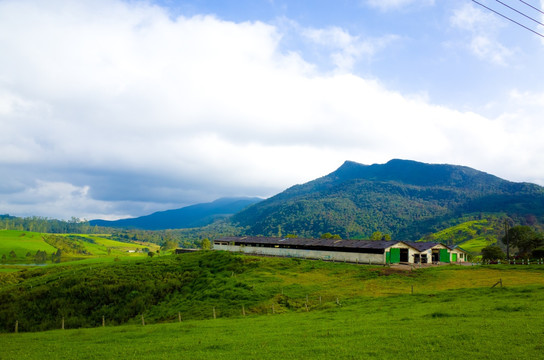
pixel 110 109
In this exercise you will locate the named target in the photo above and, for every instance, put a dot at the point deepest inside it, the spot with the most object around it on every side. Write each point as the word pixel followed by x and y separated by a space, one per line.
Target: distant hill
pixel 404 198
pixel 186 217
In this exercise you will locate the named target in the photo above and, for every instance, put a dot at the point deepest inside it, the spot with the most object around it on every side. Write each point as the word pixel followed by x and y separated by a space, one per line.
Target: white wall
pixel 307 254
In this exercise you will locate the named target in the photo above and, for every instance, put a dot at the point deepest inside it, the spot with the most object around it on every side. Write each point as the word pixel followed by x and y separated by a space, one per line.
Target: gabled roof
pixel 422 246
pixel 303 242
pixel 458 248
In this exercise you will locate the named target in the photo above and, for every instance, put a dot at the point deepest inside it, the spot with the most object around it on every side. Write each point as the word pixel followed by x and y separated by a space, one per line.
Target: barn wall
pixel 360 258
pixel 411 251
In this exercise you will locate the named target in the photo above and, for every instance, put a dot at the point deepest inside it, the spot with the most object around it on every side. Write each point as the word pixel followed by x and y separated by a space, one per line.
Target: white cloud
pixel 112 108
pixel 345 49
pixel 387 5
pixel 482 28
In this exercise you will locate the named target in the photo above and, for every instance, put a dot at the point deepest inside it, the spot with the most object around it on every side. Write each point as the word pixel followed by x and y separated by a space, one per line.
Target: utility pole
pixel 507 240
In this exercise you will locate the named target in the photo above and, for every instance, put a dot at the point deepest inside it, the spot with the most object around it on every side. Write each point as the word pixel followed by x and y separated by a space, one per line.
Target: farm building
pixel 356 251
pixel 458 254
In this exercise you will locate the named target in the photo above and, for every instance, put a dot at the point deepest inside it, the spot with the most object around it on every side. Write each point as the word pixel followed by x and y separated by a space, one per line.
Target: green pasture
pixel 294 309
pixel 476 245
pixel 23 242
pixel 479 323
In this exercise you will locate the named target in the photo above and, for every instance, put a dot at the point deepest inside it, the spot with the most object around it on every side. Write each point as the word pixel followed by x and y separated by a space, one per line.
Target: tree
pixel 492 252
pixel 150 254
pixel 378 235
pixel 330 236
pixel 524 238
pixel 12 254
pixel 169 245
pixel 55 257
pixel 4 258
pixel 40 257
pixel 206 244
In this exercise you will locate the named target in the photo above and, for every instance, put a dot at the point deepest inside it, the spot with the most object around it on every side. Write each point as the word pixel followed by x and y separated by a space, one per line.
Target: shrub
pixel 538 253
pixel 492 252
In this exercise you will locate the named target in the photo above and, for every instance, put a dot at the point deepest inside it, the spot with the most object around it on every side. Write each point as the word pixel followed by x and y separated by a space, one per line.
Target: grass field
pixel 504 323
pixel 295 309
pixel 23 242
pixel 476 245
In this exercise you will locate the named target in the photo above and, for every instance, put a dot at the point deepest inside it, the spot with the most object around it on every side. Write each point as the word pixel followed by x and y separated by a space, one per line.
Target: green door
pixel 454 257
pixel 444 255
pixel 395 255
pixel 387 257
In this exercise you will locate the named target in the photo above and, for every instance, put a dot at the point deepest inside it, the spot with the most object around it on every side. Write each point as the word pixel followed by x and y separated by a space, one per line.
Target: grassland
pixel 501 323
pixel 295 309
pixel 92 246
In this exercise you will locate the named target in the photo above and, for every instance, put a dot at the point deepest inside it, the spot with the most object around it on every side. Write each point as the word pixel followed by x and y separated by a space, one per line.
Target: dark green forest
pixel 406 199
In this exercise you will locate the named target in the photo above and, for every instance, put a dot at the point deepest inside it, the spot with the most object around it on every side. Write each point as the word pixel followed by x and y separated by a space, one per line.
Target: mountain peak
pixel 412 172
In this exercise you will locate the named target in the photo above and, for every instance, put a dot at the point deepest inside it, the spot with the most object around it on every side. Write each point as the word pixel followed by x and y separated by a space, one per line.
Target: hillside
pixel 195 285
pixel 406 199
pixel 187 217
pixel 25 245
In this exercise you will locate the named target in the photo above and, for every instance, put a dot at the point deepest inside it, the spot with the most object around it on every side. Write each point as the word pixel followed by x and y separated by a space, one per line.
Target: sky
pixel 112 109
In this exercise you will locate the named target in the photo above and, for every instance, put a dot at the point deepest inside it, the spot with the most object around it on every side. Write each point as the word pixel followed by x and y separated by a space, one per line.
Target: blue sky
pixel 113 108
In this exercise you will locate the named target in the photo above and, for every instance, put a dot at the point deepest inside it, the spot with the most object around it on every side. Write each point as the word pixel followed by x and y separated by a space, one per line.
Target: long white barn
pixel 356 251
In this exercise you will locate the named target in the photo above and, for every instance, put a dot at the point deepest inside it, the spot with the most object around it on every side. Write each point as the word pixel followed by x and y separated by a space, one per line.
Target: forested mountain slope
pixel 406 199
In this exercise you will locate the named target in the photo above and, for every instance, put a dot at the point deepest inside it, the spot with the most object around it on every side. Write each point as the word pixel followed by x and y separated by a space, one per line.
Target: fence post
pixel 243 310
pixel 179 316
pixel 103 321
pixel 214 313
pixel 63 323
pixel 16 326
pixel 143 320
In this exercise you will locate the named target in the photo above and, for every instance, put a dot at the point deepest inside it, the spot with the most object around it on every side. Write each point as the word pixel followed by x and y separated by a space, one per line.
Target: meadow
pixel 504 323
pixel 73 247
pixel 269 308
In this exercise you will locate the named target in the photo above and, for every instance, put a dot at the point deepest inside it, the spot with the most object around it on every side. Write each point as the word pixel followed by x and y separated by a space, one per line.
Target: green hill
pixel 198 284
pixel 406 199
pixel 26 244
pixel 293 309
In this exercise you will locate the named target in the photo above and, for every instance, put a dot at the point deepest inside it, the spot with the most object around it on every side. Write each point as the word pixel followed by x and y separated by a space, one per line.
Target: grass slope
pixel 480 323
pixel 194 284
pixel 23 242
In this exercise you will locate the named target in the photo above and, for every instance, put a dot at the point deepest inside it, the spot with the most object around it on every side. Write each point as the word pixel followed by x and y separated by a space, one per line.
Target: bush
pixel 538 253
pixel 492 252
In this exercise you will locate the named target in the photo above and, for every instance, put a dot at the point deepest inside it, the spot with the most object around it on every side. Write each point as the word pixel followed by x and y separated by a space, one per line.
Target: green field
pixel 24 242
pixel 295 309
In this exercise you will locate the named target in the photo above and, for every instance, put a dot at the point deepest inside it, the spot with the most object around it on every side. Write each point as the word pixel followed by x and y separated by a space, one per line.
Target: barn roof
pixel 422 246
pixel 304 242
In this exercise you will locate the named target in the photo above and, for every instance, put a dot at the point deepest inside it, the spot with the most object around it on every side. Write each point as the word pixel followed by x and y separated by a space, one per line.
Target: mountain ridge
pixel 191 216
pixel 405 198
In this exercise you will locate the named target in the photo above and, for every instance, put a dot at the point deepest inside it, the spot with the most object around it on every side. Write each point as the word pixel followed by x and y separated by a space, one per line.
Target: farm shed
pixel 431 252
pixel 356 251
pixel 458 254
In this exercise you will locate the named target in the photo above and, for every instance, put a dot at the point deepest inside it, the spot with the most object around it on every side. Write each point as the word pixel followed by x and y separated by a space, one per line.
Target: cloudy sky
pixel 112 108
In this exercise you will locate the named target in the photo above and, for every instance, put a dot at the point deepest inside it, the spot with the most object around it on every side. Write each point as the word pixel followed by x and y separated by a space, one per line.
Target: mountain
pixel 404 198
pixel 186 217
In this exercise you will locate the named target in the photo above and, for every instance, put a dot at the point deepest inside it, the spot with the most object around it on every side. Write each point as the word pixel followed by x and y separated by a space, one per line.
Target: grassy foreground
pixel 504 323
pixel 295 309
